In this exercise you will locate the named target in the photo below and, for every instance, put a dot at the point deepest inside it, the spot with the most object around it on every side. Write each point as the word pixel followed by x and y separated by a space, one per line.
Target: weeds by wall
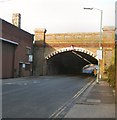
pixel 111 75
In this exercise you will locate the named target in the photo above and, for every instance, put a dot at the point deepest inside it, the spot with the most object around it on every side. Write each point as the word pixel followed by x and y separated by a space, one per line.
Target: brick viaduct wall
pixel 47 45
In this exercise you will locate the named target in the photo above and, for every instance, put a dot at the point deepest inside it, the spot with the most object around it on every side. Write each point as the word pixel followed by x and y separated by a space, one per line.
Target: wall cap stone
pixel 40 30
pixel 108 28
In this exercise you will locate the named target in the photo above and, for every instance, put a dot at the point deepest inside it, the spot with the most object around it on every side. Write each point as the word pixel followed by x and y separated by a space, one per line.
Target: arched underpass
pixel 69 62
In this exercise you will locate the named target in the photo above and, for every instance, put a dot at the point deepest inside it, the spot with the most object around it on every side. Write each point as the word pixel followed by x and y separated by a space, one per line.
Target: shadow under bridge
pixel 69 62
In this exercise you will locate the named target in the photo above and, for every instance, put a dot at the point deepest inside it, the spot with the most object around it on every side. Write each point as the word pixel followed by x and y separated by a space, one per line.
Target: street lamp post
pixel 100 44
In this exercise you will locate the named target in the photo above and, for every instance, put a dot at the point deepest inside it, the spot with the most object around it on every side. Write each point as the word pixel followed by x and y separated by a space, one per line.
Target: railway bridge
pixel 68 53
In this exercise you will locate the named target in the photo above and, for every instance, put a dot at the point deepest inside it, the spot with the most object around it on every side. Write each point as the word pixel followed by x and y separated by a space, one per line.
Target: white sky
pixel 59 16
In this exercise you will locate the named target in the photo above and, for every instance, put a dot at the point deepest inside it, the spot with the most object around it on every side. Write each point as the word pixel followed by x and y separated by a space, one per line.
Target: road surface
pixel 38 97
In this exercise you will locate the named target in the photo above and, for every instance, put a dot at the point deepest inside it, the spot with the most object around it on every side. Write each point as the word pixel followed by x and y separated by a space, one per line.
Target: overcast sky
pixel 59 16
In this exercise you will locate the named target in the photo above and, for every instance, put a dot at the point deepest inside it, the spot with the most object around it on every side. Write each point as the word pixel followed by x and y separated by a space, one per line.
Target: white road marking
pixel 9 83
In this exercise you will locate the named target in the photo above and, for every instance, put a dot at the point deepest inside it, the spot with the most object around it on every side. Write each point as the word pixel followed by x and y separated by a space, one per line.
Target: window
pixel 28 50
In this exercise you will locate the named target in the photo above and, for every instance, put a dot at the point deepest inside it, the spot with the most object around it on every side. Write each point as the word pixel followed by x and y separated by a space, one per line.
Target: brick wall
pixel 89 41
pixel 24 40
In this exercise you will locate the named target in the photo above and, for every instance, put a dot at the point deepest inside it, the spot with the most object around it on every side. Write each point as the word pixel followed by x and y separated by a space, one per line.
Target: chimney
pixel 16 19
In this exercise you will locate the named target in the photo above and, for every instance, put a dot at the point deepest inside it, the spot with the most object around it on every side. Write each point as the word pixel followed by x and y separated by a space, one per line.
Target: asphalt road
pixel 38 97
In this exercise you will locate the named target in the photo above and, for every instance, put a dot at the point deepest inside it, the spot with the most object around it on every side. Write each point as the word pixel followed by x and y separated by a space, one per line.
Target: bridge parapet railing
pixel 78 37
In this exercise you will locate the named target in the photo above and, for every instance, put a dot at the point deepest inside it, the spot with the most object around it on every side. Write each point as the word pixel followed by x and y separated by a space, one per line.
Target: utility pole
pixel 99 51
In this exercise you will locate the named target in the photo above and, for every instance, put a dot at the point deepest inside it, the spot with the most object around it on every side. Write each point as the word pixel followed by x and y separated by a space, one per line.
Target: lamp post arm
pixel 97 9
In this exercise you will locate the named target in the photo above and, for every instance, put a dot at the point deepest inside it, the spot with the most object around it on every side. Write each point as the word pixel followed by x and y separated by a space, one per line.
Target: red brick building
pixel 17 46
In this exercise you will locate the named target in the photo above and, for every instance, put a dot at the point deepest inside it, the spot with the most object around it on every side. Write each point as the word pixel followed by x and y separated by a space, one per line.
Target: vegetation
pixel 111 75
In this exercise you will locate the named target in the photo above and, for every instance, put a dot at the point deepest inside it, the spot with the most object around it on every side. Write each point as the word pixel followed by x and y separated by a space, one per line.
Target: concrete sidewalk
pixel 98 101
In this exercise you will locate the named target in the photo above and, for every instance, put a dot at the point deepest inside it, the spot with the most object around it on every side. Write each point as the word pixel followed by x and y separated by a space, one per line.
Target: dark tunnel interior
pixel 69 63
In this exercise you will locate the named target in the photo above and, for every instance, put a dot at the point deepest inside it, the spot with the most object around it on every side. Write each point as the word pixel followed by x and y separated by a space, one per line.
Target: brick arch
pixel 70 49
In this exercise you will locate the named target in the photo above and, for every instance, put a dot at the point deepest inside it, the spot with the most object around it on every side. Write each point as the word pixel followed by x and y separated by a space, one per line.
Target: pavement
pixel 98 101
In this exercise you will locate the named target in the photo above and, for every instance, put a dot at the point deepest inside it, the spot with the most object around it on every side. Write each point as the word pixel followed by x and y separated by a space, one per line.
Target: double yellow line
pixel 62 108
